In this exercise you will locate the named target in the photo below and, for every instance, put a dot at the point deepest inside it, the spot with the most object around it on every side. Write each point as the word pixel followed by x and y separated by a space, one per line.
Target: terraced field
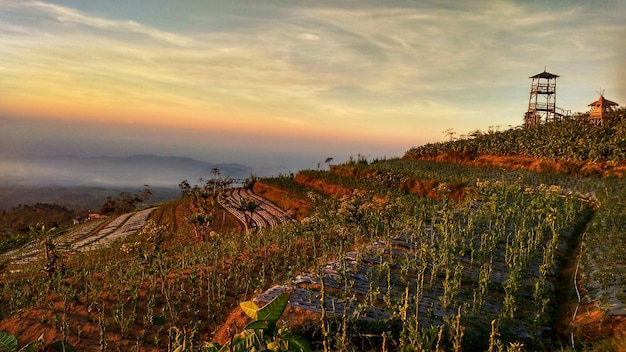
pixel 100 233
pixel 94 234
pixel 267 215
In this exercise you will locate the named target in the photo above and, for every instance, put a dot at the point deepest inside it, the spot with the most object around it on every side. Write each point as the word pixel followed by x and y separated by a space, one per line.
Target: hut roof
pixel 544 74
pixel 603 102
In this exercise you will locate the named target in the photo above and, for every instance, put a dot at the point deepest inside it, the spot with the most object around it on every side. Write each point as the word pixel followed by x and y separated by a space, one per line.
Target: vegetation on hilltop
pixel 124 202
pixel 569 140
pixel 20 217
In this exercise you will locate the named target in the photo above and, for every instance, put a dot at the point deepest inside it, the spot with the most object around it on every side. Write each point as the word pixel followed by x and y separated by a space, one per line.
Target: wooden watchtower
pixel 600 109
pixel 542 101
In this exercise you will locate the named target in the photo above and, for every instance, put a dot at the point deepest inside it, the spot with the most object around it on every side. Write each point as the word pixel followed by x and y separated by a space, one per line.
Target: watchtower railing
pixel 543 88
pixel 562 112
pixel 541 107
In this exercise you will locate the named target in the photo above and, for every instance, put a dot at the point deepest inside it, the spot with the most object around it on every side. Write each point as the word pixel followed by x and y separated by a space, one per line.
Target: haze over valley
pixel 134 170
pixel 85 181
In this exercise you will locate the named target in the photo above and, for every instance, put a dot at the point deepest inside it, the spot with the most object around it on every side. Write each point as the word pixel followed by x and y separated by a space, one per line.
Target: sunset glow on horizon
pixel 348 77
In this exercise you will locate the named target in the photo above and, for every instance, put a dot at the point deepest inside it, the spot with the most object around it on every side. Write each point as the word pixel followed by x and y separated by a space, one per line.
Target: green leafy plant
pixel 263 334
pixel 200 222
pixel 46 236
pixel 8 343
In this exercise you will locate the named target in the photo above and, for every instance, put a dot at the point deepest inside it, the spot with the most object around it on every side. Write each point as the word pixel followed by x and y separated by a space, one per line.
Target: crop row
pixel 267 214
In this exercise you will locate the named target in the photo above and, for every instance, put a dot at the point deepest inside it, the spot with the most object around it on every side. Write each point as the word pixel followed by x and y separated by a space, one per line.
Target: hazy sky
pixel 289 82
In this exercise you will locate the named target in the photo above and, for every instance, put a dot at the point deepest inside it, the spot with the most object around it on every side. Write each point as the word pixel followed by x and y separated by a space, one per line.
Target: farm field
pixel 91 235
pixel 267 215
pixel 392 261
pixel 102 232
pixel 391 254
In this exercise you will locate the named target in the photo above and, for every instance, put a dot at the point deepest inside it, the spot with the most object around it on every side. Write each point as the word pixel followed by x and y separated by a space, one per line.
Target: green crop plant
pixel 46 238
pixel 263 334
pixel 9 343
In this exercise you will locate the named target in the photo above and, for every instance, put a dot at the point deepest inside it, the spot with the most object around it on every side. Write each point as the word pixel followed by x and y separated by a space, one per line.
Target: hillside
pixel 21 217
pixel 386 254
pixel 572 146
pixel 595 156
pixel 15 223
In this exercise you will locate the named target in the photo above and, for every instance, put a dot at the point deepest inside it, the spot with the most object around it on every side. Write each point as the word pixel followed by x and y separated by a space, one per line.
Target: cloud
pixel 307 68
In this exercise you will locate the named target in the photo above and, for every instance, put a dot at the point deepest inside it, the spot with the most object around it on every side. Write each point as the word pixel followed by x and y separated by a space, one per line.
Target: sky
pixel 287 84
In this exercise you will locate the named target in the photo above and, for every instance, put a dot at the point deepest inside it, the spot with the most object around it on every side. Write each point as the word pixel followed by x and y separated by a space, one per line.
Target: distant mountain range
pixel 134 170
pixel 84 182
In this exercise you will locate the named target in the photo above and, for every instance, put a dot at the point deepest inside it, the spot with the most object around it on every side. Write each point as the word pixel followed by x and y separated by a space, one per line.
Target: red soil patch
pixel 234 324
pixel 435 189
pixel 174 216
pixel 591 324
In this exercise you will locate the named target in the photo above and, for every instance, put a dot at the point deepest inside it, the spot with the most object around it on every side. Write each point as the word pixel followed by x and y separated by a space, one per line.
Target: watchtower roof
pixel 544 74
pixel 603 102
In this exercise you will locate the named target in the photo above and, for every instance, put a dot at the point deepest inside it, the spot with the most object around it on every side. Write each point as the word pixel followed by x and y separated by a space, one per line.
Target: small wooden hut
pixel 600 109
